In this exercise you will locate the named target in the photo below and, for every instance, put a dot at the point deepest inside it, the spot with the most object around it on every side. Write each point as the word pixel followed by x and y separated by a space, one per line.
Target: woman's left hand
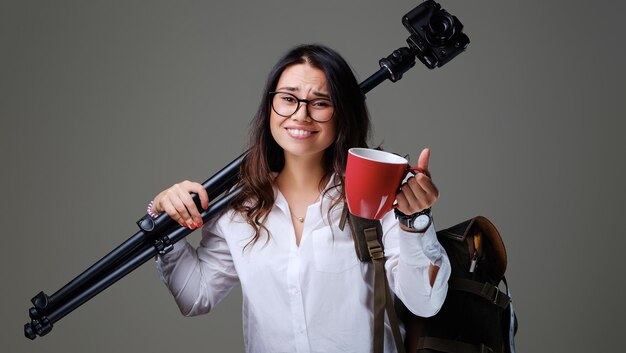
pixel 419 192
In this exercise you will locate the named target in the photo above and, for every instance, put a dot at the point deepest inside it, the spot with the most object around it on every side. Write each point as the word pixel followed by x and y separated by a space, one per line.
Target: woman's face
pixel 298 134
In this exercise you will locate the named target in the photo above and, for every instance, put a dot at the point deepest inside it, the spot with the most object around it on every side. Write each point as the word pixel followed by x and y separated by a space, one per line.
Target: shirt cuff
pixel 412 245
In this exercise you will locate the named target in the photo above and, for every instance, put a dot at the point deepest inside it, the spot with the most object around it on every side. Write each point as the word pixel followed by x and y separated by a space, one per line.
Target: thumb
pixel 422 162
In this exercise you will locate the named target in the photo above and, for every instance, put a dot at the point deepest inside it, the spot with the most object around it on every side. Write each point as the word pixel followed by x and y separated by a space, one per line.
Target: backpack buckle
pixel 495 297
pixel 490 292
pixel 374 246
pixel 485 349
pixel 375 250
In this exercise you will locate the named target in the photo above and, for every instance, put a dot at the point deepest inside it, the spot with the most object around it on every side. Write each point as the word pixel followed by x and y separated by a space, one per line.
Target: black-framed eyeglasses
pixel 286 104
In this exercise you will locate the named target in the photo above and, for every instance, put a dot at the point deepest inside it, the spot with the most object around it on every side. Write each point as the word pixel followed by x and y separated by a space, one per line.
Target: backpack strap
pixel 512 321
pixel 367 235
pixel 485 290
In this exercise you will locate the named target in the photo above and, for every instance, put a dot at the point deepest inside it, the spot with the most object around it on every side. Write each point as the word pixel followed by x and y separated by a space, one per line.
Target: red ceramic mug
pixel 372 181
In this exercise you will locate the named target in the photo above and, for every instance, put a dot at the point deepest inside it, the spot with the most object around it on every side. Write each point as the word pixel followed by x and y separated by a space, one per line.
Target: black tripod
pixel 436 38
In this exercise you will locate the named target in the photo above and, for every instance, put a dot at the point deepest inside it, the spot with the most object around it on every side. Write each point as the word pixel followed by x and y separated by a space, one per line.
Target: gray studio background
pixel 105 103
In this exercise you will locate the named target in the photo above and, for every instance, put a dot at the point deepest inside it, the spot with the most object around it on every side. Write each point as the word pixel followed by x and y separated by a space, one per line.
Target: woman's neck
pixel 300 173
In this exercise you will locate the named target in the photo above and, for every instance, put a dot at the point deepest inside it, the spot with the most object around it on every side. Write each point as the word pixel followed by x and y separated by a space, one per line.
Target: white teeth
pixel 299 132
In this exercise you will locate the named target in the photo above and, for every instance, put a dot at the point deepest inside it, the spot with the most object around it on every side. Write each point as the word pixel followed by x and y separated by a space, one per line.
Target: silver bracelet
pixel 151 211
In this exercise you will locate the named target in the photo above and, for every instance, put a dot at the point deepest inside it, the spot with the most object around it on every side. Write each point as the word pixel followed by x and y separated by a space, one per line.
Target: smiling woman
pixel 298 133
pixel 303 284
pixel 106 102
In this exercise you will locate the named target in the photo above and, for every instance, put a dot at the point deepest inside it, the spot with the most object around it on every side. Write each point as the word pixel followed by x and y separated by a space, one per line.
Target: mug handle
pixel 415 170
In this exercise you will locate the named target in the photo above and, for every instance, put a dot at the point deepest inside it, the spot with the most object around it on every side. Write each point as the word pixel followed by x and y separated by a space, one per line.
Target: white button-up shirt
pixel 315 297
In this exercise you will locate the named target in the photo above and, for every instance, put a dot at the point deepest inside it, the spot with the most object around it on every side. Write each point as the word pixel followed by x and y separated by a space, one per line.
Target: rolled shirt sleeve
pixel 408 261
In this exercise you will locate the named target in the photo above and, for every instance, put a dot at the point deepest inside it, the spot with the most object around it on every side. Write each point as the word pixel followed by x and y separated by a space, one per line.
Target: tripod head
pixel 436 38
pixel 436 35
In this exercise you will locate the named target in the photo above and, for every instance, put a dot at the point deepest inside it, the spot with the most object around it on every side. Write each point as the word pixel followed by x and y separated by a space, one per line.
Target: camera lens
pixel 441 28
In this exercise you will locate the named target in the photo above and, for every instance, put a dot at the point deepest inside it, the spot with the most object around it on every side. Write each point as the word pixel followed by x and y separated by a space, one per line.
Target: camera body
pixel 436 36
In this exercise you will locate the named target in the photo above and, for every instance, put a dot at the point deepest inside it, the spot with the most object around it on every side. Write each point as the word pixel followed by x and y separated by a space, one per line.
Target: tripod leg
pixel 42 323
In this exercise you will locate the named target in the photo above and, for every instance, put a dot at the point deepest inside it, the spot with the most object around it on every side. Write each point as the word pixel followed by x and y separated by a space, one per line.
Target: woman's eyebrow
pixel 296 89
pixel 320 94
pixel 287 88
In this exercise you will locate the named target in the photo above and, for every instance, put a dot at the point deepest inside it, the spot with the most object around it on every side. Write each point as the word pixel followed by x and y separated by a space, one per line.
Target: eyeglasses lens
pixel 286 104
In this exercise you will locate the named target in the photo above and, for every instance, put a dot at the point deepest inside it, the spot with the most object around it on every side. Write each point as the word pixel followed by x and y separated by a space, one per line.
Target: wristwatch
pixel 419 221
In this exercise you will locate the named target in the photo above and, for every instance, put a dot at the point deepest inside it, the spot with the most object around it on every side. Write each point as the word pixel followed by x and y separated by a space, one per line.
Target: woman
pixel 304 290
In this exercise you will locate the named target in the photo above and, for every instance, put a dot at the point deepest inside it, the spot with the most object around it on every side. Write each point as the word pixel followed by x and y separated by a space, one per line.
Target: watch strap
pixel 409 220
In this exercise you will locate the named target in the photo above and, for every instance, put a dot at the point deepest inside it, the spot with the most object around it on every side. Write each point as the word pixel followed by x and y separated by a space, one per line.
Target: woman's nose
pixel 302 113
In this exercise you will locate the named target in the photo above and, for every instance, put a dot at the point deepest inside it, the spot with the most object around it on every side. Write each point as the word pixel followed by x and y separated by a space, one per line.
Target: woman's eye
pixel 289 99
pixel 321 103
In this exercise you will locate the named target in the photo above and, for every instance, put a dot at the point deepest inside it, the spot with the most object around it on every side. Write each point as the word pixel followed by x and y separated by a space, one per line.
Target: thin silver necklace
pixel 301 219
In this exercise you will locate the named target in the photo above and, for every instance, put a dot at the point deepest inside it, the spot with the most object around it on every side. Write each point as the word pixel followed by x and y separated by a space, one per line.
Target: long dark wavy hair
pixel 266 156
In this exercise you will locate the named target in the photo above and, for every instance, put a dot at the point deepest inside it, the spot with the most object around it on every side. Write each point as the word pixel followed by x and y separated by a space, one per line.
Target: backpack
pixel 476 316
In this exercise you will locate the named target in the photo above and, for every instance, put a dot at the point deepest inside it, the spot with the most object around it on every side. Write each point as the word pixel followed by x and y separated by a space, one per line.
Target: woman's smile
pixel 300 133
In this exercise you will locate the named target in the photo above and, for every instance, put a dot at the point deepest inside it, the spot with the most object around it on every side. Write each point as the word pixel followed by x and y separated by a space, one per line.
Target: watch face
pixel 421 222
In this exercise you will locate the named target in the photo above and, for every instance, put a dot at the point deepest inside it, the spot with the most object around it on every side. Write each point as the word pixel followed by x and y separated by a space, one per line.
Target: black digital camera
pixel 436 36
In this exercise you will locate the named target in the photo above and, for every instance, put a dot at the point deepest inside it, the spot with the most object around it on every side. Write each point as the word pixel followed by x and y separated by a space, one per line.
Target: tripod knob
pixel 399 62
pixel 28 332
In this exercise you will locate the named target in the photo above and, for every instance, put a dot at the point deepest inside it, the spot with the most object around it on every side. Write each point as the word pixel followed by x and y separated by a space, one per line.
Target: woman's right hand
pixel 178 204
